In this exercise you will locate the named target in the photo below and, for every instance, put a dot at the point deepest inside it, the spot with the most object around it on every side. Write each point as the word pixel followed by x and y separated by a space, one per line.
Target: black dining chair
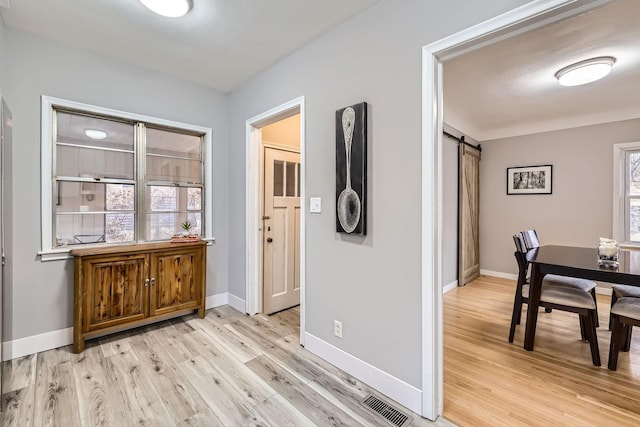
pixel 622 291
pixel 531 241
pixel 625 314
pixel 558 292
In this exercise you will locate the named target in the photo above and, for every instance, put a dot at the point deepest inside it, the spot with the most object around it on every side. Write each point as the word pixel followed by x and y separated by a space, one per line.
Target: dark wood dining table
pixel 574 262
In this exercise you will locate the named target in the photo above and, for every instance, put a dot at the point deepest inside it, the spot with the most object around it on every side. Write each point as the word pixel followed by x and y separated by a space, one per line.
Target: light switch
pixel 315 205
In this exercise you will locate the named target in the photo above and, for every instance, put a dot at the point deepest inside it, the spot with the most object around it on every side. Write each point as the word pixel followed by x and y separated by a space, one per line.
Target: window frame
pixel 48 252
pixel 620 197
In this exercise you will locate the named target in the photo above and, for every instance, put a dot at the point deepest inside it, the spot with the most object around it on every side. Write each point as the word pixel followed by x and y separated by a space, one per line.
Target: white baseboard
pixel 237 303
pixel 451 286
pixel 62 337
pixel 213 301
pixel 499 274
pixel 37 343
pixel 396 389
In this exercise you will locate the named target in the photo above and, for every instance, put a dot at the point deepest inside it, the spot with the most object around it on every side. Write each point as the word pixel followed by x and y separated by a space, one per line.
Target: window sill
pixel 63 253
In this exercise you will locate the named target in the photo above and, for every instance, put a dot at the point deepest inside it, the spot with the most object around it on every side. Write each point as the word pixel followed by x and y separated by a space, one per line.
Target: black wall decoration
pixel 351 169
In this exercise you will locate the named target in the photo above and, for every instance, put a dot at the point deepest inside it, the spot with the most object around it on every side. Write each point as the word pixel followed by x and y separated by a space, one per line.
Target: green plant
pixel 186 226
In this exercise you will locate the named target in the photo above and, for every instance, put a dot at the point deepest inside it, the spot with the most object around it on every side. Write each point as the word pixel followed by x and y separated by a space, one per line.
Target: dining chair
pixel 622 291
pixel 558 292
pixel 530 241
pixel 625 314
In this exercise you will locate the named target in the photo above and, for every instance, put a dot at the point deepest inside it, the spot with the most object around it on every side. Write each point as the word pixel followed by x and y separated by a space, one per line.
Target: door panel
pixel 281 247
pixel 173 285
pixel 469 215
pixel 116 292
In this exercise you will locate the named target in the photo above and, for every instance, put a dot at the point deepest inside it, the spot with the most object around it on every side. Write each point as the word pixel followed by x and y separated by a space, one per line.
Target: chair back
pixel 521 258
pixel 530 238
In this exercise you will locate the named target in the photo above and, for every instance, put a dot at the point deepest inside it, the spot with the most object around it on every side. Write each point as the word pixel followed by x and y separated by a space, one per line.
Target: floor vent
pixel 389 413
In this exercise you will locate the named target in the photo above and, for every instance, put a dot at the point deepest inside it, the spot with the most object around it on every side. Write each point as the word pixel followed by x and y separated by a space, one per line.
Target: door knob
pixel 269 240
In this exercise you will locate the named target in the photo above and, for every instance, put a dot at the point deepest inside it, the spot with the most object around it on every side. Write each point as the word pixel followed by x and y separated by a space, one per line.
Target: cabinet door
pixel 115 291
pixel 176 278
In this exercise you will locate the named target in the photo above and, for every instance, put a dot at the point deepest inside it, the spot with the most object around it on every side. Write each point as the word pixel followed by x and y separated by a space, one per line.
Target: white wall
pixel 579 211
pixel 42 297
pixel 372 284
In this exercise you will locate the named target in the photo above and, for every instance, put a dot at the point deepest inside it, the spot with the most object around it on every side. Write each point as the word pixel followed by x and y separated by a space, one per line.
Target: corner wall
pixel 371 284
pixel 580 209
pixel 42 299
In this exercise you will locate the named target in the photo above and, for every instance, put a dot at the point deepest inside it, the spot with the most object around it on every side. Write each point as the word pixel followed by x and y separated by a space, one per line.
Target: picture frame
pixel 351 169
pixel 530 179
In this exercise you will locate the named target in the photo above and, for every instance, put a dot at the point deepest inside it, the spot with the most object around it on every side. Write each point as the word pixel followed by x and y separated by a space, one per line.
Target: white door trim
pixel 253 219
pixel 524 18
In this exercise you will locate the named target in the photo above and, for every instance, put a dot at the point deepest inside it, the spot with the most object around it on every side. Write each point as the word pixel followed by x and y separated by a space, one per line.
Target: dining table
pixel 574 262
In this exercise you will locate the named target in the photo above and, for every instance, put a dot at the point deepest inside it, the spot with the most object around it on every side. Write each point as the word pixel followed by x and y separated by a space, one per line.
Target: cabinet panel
pixel 174 281
pixel 115 292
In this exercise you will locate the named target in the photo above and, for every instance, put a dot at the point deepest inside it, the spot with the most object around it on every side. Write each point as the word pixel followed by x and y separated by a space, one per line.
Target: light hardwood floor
pixel 225 370
pixel 489 382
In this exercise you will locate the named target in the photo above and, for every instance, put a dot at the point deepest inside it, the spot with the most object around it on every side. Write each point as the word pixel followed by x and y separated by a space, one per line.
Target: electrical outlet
pixel 337 328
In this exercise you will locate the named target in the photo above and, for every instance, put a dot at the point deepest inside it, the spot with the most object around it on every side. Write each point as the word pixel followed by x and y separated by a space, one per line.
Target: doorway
pixel 524 18
pixel 275 214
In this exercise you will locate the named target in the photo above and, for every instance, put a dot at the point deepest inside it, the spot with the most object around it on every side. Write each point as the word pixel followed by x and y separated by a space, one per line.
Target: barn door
pixel 468 214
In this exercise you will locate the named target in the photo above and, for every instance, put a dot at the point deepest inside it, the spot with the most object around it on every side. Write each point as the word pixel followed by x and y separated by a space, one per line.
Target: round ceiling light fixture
pixel 168 8
pixel 95 134
pixel 586 71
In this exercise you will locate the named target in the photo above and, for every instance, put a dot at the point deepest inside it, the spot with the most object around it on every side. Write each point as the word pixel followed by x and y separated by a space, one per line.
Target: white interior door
pixel 281 267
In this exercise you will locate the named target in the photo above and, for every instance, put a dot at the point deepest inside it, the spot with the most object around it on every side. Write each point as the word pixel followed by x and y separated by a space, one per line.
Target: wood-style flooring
pixel 227 369
pixel 489 382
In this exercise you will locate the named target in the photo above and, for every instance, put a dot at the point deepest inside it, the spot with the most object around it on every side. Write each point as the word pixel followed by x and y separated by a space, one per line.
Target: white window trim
pixel 48 103
pixel 619 183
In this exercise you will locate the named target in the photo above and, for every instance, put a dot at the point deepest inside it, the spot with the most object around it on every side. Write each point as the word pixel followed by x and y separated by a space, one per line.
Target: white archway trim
pixel 253 214
pixel 518 20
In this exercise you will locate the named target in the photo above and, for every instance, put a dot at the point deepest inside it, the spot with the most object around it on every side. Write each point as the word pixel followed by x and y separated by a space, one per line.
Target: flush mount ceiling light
pixel 168 8
pixel 586 71
pixel 95 134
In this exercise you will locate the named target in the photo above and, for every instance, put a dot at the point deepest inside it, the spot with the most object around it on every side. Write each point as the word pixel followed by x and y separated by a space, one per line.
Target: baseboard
pixel 451 286
pixel 37 343
pixel 213 301
pixel 387 384
pixel 237 303
pixel 499 274
pixel 62 337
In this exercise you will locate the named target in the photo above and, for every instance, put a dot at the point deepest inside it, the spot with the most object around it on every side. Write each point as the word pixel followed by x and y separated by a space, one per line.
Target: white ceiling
pixel 219 43
pixel 509 88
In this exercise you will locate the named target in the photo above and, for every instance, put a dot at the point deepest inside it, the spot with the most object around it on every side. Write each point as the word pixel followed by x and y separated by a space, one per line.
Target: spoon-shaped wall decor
pixel 351 168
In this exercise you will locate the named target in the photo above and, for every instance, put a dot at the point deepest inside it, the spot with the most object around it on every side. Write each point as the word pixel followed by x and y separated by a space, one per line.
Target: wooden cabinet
pixel 124 286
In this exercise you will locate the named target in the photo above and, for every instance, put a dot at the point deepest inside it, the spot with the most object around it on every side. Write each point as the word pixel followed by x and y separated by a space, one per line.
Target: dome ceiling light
pixel 168 8
pixel 586 71
pixel 95 134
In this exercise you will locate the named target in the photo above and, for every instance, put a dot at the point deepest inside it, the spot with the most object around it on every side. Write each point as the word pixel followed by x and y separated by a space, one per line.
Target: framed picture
pixel 351 169
pixel 529 180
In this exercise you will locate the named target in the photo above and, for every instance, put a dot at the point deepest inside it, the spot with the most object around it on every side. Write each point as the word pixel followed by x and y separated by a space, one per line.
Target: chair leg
pixel 616 338
pixel 515 316
pixel 626 345
pixel 593 295
pixel 583 334
pixel 593 337
pixel 614 298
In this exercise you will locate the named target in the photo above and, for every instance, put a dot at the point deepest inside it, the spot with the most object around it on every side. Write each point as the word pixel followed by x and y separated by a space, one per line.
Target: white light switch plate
pixel 315 205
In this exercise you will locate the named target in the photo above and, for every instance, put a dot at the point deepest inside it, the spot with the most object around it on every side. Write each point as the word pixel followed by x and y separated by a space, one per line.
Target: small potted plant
pixel 186 226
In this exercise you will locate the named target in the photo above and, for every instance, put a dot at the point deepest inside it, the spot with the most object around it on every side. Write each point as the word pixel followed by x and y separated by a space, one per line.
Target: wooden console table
pixel 119 287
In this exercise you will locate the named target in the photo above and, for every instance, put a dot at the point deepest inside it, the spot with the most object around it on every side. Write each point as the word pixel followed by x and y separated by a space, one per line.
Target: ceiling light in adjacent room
pixel 586 71
pixel 168 8
pixel 95 134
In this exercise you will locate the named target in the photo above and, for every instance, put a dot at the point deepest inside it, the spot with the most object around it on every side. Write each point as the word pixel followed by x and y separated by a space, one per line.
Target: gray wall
pixel 43 291
pixel 372 284
pixel 579 211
